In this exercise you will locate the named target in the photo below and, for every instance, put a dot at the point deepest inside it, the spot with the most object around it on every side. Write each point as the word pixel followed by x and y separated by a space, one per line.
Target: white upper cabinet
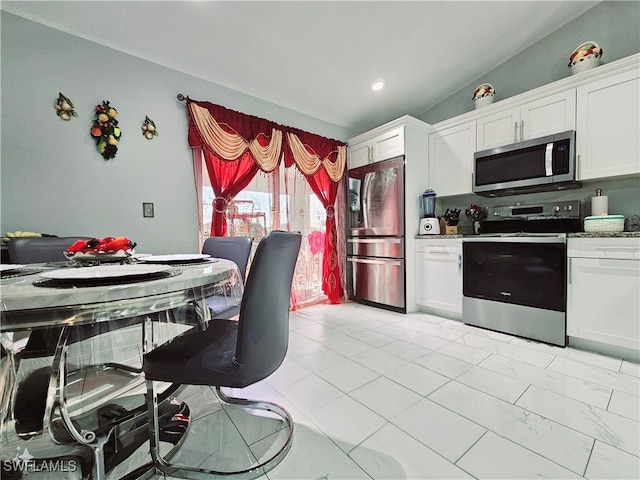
pixel 497 129
pixel 451 159
pixel 381 147
pixel 359 154
pixel 608 126
pixel 554 114
pixel 546 116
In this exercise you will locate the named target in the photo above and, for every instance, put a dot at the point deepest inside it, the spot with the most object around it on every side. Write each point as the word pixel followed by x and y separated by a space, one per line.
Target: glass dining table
pixel 73 339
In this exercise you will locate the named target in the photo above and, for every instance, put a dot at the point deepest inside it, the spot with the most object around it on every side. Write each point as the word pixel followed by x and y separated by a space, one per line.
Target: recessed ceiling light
pixel 377 85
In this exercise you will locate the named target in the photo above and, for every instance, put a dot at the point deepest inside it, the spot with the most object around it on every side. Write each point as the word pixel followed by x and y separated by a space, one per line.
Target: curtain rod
pixel 181 97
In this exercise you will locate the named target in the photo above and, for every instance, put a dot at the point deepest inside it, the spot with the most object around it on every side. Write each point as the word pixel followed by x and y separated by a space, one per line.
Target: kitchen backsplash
pixel 624 198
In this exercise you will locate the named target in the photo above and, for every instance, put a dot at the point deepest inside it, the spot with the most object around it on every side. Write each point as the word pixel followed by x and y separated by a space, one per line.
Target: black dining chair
pixel 26 250
pixel 238 250
pixel 234 354
pixel 40 249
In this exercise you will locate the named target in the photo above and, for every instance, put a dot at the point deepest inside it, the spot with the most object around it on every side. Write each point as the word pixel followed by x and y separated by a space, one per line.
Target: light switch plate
pixel 147 209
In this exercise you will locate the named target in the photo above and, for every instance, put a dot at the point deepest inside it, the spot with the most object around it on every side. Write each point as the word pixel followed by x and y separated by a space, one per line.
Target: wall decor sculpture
pixel 105 130
pixel 149 129
pixel 64 108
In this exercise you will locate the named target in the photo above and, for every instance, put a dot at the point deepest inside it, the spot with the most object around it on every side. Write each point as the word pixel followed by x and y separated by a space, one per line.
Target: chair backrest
pixel 40 249
pixel 263 328
pixel 236 249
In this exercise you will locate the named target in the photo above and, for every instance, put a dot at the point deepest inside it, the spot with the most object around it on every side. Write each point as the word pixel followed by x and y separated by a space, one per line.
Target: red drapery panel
pixel 326 191
pixel 227 180
pixel 236 146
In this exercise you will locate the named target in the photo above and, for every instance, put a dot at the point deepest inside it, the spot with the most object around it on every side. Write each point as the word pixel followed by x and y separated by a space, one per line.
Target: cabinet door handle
pixel 459 261
pixel 522 130
pixel 569 271
pixel 515 132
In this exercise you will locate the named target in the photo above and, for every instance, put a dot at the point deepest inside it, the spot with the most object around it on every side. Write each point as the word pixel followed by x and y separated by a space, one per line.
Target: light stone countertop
pixel 569 235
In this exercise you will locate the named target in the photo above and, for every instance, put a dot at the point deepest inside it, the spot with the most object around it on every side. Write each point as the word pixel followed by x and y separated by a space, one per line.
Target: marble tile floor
pixel 380 395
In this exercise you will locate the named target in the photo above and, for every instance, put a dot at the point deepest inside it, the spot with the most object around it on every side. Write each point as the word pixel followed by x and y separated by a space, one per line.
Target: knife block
pixel 448 229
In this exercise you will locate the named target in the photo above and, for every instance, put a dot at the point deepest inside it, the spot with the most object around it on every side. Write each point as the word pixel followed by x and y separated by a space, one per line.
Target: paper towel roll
pixel 599 205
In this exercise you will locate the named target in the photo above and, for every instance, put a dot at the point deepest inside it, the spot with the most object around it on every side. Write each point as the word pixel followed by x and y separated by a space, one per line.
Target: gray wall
pixel 53 180
pixel 615 26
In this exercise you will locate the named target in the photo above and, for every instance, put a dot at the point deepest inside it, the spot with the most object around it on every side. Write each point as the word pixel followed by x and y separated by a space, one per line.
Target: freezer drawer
pixel 378 280
pixel 376 247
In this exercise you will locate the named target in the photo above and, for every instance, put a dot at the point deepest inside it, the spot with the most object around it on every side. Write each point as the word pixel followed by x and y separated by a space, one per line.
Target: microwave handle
pixel 578 167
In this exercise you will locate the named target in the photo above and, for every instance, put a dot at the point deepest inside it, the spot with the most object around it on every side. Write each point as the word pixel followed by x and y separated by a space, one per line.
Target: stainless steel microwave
pixel 538 165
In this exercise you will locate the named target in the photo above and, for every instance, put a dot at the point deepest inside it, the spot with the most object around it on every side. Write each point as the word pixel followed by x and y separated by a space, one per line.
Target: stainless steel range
pixel 515 271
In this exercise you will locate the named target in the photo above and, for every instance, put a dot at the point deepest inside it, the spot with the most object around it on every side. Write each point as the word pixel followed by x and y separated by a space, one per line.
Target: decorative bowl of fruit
pixel 101 250
pixel 585 57
pixel 483 95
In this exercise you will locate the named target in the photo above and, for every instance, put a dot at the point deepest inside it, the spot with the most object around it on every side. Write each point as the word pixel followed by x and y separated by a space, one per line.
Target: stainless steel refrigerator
pixel 375 234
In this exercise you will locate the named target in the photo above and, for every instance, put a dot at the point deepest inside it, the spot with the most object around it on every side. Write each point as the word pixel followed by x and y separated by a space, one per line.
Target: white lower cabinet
pixel 439 276
pixel 603 303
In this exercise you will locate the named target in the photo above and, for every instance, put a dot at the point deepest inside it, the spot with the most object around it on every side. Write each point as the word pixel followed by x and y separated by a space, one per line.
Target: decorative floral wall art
pixel 64 108
pixel 105 130
pixel 149 129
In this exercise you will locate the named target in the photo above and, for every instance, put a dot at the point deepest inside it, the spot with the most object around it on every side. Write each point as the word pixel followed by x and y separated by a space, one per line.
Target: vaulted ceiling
pixel 318 57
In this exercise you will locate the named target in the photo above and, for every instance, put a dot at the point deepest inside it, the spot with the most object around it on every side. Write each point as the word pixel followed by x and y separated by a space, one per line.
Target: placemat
pixel 20 272
pixel 104 282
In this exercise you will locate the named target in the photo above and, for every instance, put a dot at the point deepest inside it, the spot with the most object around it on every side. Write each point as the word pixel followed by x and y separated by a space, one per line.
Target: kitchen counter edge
pixel 569 235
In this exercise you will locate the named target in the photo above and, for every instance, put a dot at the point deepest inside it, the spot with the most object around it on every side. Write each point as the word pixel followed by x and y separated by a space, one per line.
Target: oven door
pixel 528 271
pixel 516 285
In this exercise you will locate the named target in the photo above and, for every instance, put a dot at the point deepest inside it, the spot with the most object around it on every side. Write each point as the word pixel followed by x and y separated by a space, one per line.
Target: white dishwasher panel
pixel 603 291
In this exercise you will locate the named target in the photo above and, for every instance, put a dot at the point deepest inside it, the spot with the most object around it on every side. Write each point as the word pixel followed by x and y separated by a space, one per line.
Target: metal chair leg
pixel 161 465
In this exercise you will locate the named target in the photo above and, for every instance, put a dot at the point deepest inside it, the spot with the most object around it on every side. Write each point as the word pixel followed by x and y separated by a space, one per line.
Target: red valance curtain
pixel 237 145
